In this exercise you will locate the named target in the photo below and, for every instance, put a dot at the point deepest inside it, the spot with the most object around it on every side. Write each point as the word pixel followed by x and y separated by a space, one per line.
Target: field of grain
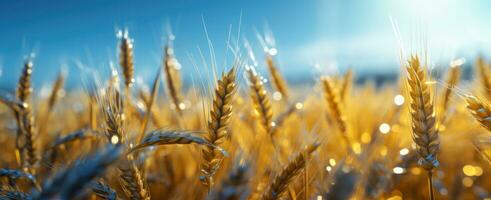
pixel 248 135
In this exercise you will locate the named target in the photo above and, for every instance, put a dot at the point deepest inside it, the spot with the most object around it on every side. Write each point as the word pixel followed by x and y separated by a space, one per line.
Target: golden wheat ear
pixel 218 124
pixel 346 86
pixel 126 58
pixel 424 130
pixel 173 78
pixel 113 112
pixel 453 79
pixel 483 74
pixel 279 83
pixel 24 88
pixel 423 120
pixel 168 137
pixel 260 100
pixel 25 120
pixel 333 102
pixel 288 173
pixel 133 180
pixel 480 110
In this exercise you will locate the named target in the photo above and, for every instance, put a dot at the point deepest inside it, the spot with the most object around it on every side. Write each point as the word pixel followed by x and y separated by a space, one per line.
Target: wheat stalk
pixel 278 82
pixel 281 118
pixel 260 100
pixel 423 120
pixel 287 174
pixel 126 58
pixel 218 123
pixel 148 114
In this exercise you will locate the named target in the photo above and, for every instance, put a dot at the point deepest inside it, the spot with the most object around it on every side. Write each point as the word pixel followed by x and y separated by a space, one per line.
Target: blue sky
pixel 327 34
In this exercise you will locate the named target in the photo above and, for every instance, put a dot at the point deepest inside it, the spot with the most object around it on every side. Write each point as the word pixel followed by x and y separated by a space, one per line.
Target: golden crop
pixel 410 140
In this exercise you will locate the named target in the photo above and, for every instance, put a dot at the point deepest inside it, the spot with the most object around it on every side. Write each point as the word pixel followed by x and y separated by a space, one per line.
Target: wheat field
pixel 249 136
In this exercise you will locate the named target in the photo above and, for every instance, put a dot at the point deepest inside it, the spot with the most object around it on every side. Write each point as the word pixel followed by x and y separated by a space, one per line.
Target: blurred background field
pixel 330 34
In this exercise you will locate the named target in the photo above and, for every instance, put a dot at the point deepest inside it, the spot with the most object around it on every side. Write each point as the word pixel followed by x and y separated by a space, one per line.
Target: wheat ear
pixel 278 82
pixel 103 191
pixel 218 123
pixel 423 120
pixel 53 97
pixel 132 180
pixel 483 74
pixel 71 181
pixel 453 79
pixel 166 137
pixel 345 87
pixel 172 77
pixel 130 176
pixel 25 120
pixel 24 88
pixel 260 100
pixel 332 99
pixel 287 174
pixel 126 58
pixel 480 110
pixel 55 91
pixel 113 110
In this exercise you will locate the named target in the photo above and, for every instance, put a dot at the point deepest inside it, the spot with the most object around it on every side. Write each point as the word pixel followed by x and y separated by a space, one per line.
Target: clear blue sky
pixel 329 33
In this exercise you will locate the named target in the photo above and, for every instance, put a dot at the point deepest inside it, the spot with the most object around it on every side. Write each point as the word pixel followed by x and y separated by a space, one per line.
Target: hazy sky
pixel 333 34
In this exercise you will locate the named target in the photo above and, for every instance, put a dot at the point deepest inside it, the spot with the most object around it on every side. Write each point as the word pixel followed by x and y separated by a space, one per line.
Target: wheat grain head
pixel 287 174
pixel 260 100
pixel 126 58
pixel 423 120
pixel 220 114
